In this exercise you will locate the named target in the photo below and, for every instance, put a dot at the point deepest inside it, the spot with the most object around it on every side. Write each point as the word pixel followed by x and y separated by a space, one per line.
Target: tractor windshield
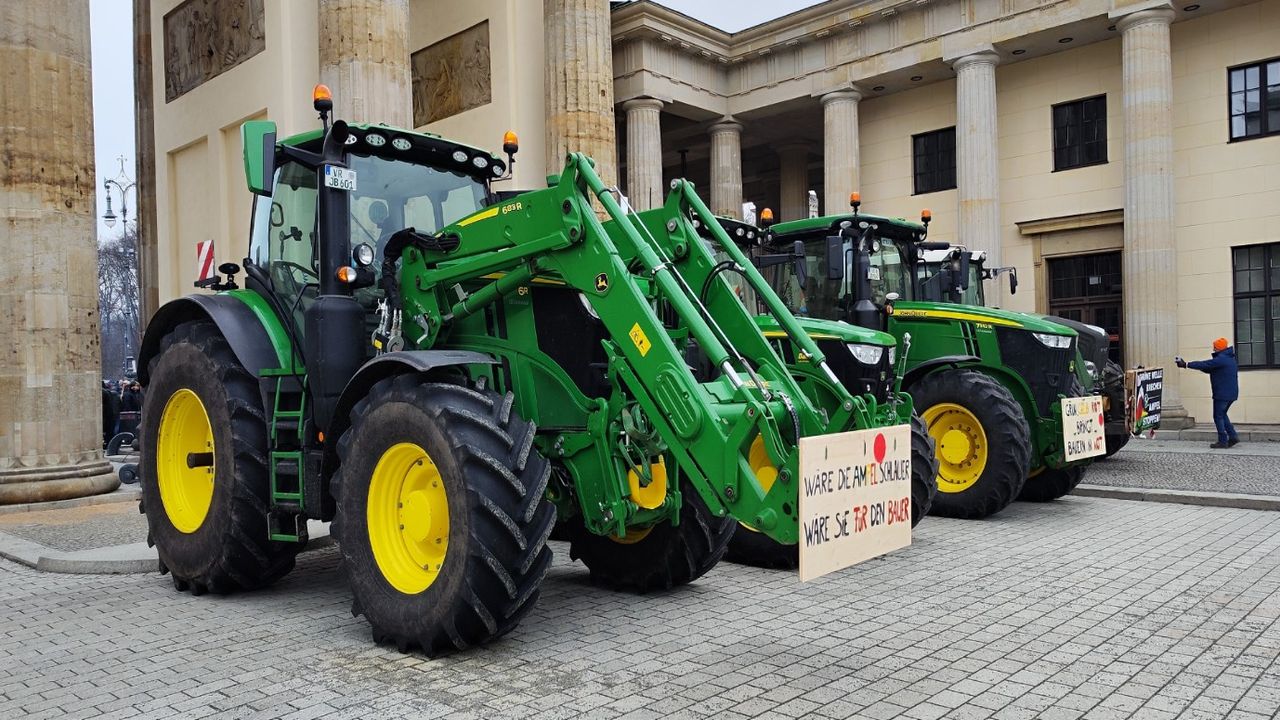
pixel 822 297
pixel 392 194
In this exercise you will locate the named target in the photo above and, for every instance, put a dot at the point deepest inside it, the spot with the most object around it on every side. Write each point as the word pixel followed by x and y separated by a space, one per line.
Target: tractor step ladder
pixel 286 521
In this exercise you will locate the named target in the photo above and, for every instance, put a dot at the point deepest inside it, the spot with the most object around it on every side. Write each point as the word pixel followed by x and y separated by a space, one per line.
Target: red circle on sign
pixel 879 448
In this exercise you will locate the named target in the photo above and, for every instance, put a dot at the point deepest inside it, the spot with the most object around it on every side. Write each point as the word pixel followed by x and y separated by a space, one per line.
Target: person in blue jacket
pixel 1224 381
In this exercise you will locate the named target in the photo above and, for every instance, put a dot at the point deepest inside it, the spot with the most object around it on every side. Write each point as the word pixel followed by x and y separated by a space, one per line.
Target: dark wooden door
pixel 1088 288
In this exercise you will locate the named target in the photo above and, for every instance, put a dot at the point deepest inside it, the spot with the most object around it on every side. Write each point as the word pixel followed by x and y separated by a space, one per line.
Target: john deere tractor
pixel 987 382
pixel 864 359
pixel 956 275
pixel 441 374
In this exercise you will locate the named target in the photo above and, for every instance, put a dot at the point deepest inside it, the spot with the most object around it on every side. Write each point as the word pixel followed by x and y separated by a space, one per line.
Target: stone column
pixel 644 153
pixel 145 163
pixel 579 84
pixel 978 157
pixel 50 354
pixel 793 181
pixel 1150 261
pixel 840 154
pixel 726 168
pixel 364 59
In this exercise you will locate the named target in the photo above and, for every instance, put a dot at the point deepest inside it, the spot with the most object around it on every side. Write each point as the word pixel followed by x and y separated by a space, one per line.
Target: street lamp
pixel 109 217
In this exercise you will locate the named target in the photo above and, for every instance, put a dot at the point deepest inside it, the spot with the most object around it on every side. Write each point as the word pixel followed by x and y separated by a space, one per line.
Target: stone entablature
pixel 661 53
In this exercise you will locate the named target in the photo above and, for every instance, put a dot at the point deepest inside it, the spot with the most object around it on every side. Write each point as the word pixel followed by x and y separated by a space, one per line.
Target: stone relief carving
pixel 205 38
pixel 451 75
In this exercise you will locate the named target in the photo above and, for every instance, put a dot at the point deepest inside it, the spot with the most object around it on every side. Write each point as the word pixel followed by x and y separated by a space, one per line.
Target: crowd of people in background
pixel 121 408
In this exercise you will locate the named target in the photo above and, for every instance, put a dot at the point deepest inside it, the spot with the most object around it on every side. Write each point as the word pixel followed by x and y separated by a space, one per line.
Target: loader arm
pixel 632 280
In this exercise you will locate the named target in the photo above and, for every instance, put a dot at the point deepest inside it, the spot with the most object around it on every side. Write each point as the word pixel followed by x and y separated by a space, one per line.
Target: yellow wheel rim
pixel 408 518
pixel 185 440
pixel 961 446
pixel 758 459
pixel 632 537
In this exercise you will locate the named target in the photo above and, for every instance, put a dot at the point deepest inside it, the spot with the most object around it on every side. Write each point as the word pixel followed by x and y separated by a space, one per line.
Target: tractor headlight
pixel 1058 342
pixel 362 254
pixel 866 354
pixel 1092 368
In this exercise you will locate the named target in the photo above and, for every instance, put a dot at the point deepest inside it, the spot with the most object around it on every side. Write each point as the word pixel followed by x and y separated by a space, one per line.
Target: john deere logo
pixel 602 282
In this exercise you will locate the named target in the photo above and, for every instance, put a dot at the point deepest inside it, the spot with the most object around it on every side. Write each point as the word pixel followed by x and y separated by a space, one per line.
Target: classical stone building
pixel 1124 155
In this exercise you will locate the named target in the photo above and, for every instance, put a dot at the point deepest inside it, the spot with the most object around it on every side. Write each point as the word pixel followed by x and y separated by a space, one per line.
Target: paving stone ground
pixel 1083 608
pixel 1248 468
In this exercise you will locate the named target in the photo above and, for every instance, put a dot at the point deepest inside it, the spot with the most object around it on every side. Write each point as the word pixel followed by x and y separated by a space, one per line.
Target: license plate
pixel 340 178
pixel 855 497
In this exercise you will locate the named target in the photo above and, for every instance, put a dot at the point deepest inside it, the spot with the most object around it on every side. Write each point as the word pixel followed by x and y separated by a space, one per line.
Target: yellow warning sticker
pixel 640 339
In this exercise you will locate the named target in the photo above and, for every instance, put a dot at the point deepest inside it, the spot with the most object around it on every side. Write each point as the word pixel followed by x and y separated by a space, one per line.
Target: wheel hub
pixel 408 518
pixel 961 445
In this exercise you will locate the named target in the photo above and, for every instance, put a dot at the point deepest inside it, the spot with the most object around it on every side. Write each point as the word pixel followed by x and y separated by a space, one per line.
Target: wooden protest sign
pixel 855 497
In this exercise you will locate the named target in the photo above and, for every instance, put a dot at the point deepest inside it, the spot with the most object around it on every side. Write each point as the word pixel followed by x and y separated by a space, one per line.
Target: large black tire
pixel 498 516
pixel 1007 449
pixel 1050 484
pixel 230 550
pixel 924 471
pixel 749 547
pixel 667 556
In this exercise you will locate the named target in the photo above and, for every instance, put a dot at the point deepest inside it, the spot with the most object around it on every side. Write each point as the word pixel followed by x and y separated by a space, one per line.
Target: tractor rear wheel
pixel 205 487
pixel 1047 484
pixel 983 441
pixel 442 514
pixel 656 558
pixel 751 547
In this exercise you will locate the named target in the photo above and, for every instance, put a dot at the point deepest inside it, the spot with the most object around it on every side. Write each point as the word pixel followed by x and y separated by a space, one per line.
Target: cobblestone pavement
pixel 1082 608
pixel 1248 468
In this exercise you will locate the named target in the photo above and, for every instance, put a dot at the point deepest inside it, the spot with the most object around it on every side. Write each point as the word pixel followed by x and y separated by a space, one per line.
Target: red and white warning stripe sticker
pixel 204 260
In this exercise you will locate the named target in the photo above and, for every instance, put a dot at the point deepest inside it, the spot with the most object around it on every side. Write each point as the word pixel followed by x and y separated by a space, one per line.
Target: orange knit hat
pixel 1220 344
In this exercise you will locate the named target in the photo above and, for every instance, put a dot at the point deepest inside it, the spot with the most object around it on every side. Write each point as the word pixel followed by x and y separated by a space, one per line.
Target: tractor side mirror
pixel 258 138
pixel 835 257
pixel 801 262
pixel 1013 281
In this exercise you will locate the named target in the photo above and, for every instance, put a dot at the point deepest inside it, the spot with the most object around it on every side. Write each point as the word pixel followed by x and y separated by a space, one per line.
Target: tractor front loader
pixel 441 373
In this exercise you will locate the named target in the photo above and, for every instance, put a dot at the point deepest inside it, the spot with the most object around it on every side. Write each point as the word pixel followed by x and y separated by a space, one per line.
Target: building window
pixel 1080 133
pixel 934 155
pixel 1256 291
pixel 1255 100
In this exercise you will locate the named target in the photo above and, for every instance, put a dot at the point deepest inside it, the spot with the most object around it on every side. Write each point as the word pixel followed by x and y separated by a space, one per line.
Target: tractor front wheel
pixel 205 487
pixel 983 442
pixel 656 558
pixel 1047 484
pixel 441 513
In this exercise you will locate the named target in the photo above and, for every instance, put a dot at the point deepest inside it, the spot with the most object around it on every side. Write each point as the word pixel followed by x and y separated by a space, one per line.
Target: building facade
pixel 1124 155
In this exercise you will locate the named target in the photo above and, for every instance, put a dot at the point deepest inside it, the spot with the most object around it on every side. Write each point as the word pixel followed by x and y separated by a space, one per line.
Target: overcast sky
pixel 112 30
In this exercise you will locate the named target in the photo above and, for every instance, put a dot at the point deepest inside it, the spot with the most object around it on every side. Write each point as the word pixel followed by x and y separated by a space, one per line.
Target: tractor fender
pixel 241 326
pixel 929 366
pixel 380 368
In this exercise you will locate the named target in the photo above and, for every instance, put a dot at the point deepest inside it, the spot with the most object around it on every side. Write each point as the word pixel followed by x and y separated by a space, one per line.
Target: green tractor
pixel 865 360
pixel 988 383
pixel 956 275
pixel 442 373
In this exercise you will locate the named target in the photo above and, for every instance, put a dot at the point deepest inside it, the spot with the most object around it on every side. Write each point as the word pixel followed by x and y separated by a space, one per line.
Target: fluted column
pixel 793 181
pixel 726 169
pixel 50 353
pixel 978 157
pixel 579 84
pixel 644 152
pixel 1150 262
pixel 364 59
pixel 840 154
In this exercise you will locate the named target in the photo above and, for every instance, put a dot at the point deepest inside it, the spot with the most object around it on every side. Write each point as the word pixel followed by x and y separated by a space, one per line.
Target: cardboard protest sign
pixel 1143 389
pixel 855 497
pixel 1083 427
